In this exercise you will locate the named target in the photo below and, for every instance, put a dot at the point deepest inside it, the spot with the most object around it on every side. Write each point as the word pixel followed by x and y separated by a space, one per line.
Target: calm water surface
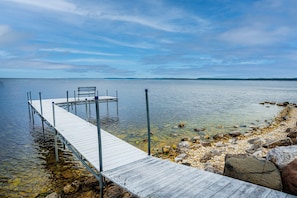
pixel 214 105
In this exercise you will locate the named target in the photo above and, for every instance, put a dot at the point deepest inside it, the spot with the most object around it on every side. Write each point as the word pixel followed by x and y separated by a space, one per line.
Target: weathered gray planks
pixel 143 175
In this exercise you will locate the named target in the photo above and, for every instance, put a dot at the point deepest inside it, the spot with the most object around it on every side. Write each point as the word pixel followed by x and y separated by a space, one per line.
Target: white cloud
pixel 73 51
pixel 54 5
pixel 254 35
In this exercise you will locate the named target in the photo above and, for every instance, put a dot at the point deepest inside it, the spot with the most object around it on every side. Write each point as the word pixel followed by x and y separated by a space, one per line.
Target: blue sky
pixel 148 38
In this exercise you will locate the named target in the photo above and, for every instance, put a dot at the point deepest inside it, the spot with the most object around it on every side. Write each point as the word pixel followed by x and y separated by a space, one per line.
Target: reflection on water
pixel 23 169
pixel 216 106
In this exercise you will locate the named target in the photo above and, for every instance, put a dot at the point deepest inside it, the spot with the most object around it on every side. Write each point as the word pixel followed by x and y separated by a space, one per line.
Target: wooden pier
pixel 132 168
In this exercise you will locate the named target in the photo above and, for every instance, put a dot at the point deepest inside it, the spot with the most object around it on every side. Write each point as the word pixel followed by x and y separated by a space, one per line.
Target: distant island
pixel 261 79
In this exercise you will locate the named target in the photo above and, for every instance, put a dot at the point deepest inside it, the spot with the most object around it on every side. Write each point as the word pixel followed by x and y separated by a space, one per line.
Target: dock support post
pixel 42 121
pixel 67 101
pixel 99 144
pixel 29 111
pixel 56 135
pixel 32 110
pixel 75 103
pixel 148 123
pixel 117 96
pixel 107 102
pixel 87 115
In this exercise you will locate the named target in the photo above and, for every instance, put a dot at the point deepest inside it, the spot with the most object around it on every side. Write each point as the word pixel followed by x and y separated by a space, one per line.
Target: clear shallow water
pixel 214 105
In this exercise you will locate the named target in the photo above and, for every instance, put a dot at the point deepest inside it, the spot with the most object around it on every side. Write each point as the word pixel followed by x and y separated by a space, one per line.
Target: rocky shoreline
pixel 207 153
pixel 256 148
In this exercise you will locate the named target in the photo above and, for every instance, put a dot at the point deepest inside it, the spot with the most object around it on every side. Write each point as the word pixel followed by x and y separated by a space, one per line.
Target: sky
pixel 148 39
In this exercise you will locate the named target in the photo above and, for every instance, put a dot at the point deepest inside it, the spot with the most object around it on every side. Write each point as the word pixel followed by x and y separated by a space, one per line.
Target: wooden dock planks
pixel 138 173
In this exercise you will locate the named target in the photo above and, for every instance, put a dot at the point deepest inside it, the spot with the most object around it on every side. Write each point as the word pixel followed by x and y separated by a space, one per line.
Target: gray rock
pixel 207 156
pixel 282 156
pixel 234 133
pixel 180 157
pixel 252 148
pixel 185 144
pixel 257 141
pixel 220 144
pixel 282 142
pixel 251 169
pixel 53 195
pixel 259 154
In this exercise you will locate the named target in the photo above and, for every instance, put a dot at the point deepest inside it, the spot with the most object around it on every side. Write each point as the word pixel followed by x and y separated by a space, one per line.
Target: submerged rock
pixel 72 188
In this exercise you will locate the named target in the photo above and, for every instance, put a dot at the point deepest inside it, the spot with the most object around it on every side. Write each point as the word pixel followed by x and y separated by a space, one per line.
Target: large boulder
pixel 251 169
pixel 289 177
pixel 283 155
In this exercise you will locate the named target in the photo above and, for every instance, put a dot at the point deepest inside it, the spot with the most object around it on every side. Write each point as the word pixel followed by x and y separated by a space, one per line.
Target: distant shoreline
pixel 223 79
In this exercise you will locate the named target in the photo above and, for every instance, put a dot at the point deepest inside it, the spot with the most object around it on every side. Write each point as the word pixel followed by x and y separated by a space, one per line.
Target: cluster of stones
pixel 268 162
pixel 71 179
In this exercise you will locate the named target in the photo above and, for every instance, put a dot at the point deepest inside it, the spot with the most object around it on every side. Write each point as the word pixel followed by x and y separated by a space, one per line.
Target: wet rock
pixel 185 139
pixel 283 155
pixel 293 136
pixel 251 169
pixel 234 133
pixel 199 129
pixel 72 188
pixel 166 149
pixel 180 157
pixel 67 174
pixel 289 177
pixel 53 195
pixel 88 194
pixel 90 183
pixel 218 136
pixel 181 125
pixel 283 104
pixel 173 134
pixel 282 142
pixel 205 144
pixel 196 139
pixel 114 191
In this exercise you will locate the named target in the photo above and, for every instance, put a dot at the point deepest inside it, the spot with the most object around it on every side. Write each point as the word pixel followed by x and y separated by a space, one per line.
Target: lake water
pixel 214 105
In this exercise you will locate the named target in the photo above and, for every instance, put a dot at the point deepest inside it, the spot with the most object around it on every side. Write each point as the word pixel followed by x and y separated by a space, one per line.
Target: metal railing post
pixel 56 135
pixel 148 123
pixel 99 145
pixel 41 111
pixel 75 103
pixel 67 101
pixel 117 96
pixel 54 116
pixel 28 100
pixel 40 103
pixel 32 110
pixel 99 134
